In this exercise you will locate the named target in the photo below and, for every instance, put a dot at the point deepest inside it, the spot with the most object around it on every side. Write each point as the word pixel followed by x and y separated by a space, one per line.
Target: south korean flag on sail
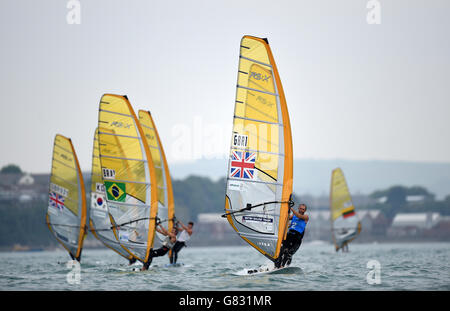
pixel 243 164
pixel 98 197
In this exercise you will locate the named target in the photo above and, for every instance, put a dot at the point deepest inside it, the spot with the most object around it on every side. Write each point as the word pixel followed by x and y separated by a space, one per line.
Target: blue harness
pixel 297 224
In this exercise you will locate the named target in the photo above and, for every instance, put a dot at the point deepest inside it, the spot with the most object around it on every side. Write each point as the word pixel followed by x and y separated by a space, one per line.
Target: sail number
pixel 240 140
pixel 109 173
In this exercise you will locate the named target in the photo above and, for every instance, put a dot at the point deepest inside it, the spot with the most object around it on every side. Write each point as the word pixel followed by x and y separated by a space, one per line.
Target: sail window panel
pixel 254 49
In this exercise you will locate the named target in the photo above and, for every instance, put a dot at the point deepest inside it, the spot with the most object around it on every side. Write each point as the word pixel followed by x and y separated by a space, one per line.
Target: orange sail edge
pixel 81 198
pixel 288 151
pixel 83 222
pixel 153 191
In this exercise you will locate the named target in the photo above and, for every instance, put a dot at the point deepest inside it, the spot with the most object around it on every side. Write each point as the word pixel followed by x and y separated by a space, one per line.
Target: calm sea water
pixel 420 266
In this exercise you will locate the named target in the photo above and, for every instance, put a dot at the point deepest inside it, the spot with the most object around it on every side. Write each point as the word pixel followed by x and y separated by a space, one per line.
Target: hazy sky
pixel 354 90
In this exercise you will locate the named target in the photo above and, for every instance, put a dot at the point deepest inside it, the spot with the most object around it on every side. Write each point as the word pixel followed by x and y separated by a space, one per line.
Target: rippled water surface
pixel 421 266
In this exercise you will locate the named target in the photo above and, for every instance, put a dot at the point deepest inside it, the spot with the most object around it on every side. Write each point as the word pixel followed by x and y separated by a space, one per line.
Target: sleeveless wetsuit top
pixel 184 236
pixel 297 224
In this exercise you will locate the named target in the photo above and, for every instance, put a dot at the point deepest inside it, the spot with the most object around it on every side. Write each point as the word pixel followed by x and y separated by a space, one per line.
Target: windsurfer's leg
pixel 159 252
pixel 278 261
pixel 295 240
pixel 147 263
pixel 288 244
pixel 178 246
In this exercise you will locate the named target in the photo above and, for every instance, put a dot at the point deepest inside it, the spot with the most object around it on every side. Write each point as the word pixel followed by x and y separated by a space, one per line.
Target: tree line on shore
pixel 24 223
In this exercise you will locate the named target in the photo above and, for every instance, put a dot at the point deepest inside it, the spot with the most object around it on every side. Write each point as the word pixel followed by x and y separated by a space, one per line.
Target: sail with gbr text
pixel 259 176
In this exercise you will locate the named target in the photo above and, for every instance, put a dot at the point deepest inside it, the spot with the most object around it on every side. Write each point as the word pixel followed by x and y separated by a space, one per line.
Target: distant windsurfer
pixel 294 236
pixel 169 241
pixel 344 247
pixel 184 236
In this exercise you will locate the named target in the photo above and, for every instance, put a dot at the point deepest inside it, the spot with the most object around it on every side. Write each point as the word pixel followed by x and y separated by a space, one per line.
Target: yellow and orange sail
pixel 166 206
pixel 128 175
pixel 345 223
pixel 260 168
pixel 67 213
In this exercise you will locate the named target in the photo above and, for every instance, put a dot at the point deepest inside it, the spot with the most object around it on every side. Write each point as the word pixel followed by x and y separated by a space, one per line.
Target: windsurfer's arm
pixel 304 216
pixel 185 228
pixel 161 230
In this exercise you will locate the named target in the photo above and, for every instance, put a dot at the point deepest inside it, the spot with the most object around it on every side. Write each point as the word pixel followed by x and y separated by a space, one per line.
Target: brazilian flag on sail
pixel 116 191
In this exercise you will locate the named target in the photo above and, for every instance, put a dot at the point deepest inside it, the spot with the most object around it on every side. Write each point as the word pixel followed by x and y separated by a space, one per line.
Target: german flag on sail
pixel 348 212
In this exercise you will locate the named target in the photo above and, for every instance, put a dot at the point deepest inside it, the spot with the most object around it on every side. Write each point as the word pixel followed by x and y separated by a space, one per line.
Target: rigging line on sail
pixel 158 221
pixel 249 206
pixel 65 225
pixel 265 173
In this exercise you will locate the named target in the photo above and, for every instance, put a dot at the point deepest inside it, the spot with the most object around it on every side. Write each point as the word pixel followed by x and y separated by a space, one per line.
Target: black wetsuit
pixel 158 252
pixel 292 242
pixel 175 249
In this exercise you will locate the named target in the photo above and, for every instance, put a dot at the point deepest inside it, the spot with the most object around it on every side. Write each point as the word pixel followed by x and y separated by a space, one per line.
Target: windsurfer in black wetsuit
pixel 185 235
pixel 169 241
pixel 294 237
